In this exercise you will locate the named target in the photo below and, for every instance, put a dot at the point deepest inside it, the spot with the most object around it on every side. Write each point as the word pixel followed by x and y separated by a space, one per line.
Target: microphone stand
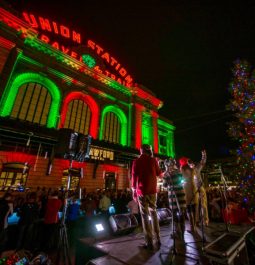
pixel 63 244
pixel 223 180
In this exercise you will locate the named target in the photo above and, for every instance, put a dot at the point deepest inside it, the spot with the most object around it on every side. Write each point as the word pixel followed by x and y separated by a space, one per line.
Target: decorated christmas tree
pixel 242 129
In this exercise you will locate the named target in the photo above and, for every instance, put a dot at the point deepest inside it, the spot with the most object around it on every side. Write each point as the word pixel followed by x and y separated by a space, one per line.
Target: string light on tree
pixel 242 129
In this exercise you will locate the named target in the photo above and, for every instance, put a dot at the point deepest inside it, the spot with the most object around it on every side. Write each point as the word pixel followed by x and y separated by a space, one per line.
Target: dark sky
pixel 182 51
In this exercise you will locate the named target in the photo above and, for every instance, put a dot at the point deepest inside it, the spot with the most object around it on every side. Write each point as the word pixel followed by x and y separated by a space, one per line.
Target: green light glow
pixel 147 130
pixel 12 89
pixel 166 130
pixel 89 60
pixel 123 121
pixel 75 64
pixel 130 108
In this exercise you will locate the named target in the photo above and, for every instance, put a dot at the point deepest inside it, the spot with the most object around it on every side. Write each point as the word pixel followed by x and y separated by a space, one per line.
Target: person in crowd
pixel 104 203
pixel 145 170
pixel 51 220
pixel 29 214
pixel 6 209
pixel 173 180
pixel 201 206
pixel 190 192
pixel 72 216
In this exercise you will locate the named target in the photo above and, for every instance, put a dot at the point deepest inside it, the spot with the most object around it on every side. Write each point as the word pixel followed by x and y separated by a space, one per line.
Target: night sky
pixel 183 52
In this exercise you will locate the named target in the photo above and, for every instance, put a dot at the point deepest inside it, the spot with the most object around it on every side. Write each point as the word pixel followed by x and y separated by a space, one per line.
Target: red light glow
pixel 92 105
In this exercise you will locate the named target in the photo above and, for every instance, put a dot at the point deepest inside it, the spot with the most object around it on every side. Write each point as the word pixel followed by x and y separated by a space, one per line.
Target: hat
pixel 183 161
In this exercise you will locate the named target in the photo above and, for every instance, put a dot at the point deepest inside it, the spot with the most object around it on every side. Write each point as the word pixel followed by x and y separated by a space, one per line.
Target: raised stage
pixel 125 249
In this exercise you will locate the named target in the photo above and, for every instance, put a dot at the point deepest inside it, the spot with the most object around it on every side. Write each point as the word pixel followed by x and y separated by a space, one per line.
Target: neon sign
pixel 46 25
pixel 101 154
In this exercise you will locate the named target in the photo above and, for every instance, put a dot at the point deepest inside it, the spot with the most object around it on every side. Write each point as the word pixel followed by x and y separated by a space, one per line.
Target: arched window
pixel 112 127
pixel 27 98
pixel 78 116
pixel 32 103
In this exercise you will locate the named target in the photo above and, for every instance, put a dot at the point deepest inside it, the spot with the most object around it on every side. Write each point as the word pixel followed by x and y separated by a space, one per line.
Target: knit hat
pixel 183 161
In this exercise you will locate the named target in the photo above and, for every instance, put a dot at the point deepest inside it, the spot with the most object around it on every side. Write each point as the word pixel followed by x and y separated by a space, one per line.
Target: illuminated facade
pixel 46 86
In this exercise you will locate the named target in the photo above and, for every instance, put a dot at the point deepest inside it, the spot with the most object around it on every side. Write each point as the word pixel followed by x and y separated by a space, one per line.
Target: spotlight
pixel 99 227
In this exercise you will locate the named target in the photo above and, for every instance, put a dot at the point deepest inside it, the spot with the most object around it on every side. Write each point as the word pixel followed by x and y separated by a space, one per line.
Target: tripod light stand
pixel 78 149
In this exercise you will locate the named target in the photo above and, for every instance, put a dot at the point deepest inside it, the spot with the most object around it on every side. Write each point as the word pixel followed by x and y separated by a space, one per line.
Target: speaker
pixel 83 147
pixel 67 143
pixel 164 215
pixel 123 223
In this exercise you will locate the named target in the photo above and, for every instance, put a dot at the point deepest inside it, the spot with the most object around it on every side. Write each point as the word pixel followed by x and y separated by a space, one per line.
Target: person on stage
pixel 196 171
pixel 173 180
pixel 190 192
pixel 145 170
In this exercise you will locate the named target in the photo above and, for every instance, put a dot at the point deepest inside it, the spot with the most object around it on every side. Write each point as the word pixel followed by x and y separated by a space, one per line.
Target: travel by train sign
pixel 49 28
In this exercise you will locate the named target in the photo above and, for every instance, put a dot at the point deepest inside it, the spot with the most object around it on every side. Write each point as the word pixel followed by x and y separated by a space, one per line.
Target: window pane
pixel 32 103
pixel 112 126
pixel 78 116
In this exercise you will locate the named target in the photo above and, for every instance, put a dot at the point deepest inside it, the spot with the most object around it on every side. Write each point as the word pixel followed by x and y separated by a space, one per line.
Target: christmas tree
pixel 242 129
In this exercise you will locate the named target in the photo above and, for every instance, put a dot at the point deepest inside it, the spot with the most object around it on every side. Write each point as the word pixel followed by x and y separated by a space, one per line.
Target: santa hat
pixel 183 161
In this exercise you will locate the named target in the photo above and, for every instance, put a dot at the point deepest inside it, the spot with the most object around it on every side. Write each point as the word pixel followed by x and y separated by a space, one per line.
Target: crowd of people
pixel 39 211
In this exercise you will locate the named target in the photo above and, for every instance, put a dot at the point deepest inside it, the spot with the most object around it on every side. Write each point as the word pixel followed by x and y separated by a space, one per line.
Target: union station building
pixel 53 82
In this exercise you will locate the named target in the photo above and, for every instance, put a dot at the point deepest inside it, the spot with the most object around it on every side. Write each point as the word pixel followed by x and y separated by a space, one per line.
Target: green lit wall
pixel 147 130
pixel 166 132
pixel 11 91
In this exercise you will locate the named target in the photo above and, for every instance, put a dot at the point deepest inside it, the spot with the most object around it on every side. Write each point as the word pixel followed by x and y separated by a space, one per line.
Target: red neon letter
pixel 76 37
pixel 107 73
pixel 96 68
pixel 106 56
pixel 74 54
pixel 55 45
pixel 99 49
pixel 129 79
pixel 113 61
pixel 64 50
pixel 30 19
pixel 122 72
pixel 91 44
pixel 45 39
pixel 55 27
pixel 117 66
pixel 119 80
pixel 113 76
pixel 64 31
pixel 45 24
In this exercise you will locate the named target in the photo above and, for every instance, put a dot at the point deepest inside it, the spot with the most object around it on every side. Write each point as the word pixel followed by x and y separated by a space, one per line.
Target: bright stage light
pixel 99 227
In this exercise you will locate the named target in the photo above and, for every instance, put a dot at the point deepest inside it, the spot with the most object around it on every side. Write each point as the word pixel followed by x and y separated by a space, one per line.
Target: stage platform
pixel 126 250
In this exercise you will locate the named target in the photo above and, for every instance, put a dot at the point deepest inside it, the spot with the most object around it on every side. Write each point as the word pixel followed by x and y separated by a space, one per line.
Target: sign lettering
pixel 101 154
pixel 45 24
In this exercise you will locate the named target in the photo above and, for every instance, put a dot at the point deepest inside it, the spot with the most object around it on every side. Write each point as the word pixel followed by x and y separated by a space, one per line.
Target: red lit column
pixel 154 116
pixel 138 125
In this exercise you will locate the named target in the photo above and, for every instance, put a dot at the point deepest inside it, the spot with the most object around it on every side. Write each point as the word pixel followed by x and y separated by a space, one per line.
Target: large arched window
pixel 32 103
pixel 78 116
pixel 32 97
pixel 113 125
pixel 80 112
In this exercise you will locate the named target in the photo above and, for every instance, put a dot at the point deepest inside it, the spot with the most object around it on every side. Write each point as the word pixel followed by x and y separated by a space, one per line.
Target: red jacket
pixel 52 208
pixel 145 170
